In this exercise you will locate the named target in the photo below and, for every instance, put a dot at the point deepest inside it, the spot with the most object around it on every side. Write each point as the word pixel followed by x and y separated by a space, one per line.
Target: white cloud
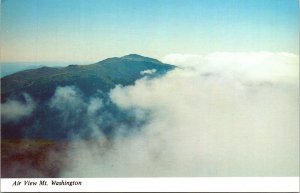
pixel 205 121
pixel 150 71
pixel 68 102
pixel 75 112
pixel 65 98
pixel 252 66
pixel 14 110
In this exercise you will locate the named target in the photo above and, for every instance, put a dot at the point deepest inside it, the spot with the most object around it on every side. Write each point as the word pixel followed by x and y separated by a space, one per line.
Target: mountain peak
pixel 136 57
pixel 133 56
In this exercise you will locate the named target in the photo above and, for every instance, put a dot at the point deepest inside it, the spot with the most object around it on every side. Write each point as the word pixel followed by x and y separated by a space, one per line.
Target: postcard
pixel 100 94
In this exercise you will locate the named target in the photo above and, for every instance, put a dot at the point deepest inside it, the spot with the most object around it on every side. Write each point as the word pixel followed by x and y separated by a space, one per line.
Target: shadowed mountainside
pixel 104 75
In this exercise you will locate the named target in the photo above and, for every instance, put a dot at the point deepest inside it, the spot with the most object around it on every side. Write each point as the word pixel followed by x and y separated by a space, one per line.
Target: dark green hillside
pixel 104 75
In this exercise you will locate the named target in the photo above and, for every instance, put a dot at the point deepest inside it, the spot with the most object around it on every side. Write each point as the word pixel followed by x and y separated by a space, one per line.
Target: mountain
pixel 104 75
pixel 86 82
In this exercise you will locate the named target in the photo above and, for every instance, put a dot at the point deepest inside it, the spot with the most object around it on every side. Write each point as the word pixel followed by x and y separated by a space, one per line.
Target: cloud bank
pixel 253 66
pixel 221 114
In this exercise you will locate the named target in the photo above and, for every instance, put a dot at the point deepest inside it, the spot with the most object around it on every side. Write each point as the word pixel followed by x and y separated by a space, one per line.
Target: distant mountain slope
pixel 51 92
pixel 104 75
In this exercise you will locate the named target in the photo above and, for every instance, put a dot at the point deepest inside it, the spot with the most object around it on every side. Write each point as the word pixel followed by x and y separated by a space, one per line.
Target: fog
pixel 220 114
pixel 80 115
pixel 14 110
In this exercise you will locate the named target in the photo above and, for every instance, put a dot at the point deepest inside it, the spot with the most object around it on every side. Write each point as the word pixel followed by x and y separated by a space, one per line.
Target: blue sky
pixel 91 30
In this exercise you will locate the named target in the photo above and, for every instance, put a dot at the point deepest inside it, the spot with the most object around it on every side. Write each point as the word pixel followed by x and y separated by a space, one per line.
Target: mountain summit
pixel 136 57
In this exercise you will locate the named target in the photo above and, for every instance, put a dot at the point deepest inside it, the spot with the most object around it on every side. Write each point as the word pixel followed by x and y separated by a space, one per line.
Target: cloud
pixel 252 66
pixel 77 114
pixel 67 100
pixel 81 117
pixel 93 118
pixel 14 110
pixel 209 119
pixel 150 71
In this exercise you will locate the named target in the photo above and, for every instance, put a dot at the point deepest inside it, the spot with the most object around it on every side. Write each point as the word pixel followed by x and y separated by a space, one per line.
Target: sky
pixel 91 30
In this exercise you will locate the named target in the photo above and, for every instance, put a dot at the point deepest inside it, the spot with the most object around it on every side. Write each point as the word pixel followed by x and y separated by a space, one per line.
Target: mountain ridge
pixel 109 72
